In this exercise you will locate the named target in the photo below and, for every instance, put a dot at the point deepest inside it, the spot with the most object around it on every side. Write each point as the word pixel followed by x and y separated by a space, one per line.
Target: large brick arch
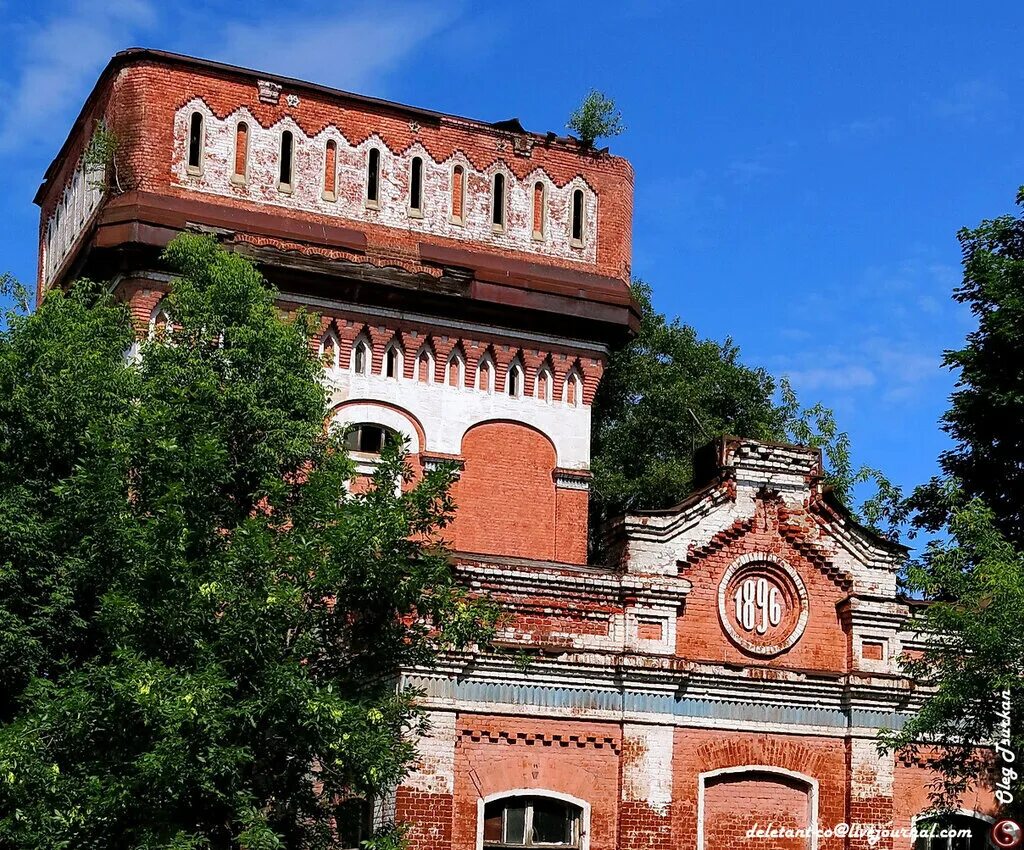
pixel 505 499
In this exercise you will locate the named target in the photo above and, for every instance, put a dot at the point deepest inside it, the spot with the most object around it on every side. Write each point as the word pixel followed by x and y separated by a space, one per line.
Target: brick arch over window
pixel 505 499
pixel 731 800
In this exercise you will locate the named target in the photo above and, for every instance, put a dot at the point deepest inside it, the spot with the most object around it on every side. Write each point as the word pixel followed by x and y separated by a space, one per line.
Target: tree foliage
pixel 668 392
pixel 596 117
pixel 974 575
pixel 199 625
pixel 987 407
pixel 974 581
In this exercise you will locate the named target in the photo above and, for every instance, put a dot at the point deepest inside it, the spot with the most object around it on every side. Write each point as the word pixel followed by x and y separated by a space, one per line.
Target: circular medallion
pixel 762 603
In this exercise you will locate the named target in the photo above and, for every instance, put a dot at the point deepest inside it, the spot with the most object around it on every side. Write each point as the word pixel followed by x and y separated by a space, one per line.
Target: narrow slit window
pixel 424 368
pixel 373 177
pixel 330 169
pixel 577 217
pixel 391 363
pixel 361 358
pixel 455 370
pixel 241 150
pixel 416 186
pixel 458 192
pixel 544 384
pixel 498 203
pixel 285 176
pixel 195 142
pixel 515 380
pixel 484 376
pixel 538 210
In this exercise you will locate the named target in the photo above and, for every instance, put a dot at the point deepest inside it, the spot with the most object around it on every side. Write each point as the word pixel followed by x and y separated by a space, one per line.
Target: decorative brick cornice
pixel 502 736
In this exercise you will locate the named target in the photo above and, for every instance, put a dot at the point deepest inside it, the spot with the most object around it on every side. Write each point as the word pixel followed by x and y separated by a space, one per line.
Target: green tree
pixel 973 575
pixel 668 392
pixel 199 626
pixel 974 581
pixel 987 407
pixel 595 118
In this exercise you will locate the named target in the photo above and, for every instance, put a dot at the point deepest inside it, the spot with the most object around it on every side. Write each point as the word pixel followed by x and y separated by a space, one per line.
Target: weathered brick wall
pixel 499 754
pixel 147 94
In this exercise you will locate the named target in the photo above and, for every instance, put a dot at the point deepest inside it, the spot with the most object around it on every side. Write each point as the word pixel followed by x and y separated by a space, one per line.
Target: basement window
pixel 284 182
pixel 416 187
pixel 195 143
pixel 373 178
pixel 531 822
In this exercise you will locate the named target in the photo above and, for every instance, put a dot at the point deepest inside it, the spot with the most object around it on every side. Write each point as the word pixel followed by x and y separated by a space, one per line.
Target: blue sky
pixel 801 169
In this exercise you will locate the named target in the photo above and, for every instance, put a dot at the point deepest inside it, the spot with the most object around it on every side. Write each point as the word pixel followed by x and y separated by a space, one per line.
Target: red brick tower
pixel 730 664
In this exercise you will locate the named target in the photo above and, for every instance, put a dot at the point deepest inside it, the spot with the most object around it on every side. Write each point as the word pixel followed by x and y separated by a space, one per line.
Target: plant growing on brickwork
pixel 596 118
pixel 100 158
pixel 199 625
pixel 974 572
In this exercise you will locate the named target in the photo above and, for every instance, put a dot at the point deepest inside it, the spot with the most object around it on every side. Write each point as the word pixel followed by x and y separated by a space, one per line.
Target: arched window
pixel 532 822
pixel 538 209
pixel 329 350
pixel 425 366
pixel 361 356
pixel 416 186
pixel 578 214
pixel 933 833
pixel 573 394
pixel 455 370
pixel 544 384
pixel 498 202
pixel 330 170
pixel 392 361
pixel 373 178
pixel 485 374
pixel 458 193
pixel 284 177
pixel 195 143
pixel 241 153
pixel 514 379
pixel 368 438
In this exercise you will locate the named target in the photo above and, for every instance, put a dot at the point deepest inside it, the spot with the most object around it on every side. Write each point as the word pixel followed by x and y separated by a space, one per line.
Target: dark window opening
pixel 354 818
pixel 373 176
pixel 531 822
pixel 361 364
pixel 285 177
pixel 930 839
pixel 391 363
pixel 416 185
pixel 577 216
pixel 195 140
pixel 368 439
pixel 513 381
pixel 498 201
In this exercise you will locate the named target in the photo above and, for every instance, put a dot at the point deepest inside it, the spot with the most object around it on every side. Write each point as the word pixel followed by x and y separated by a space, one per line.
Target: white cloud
pixel 58 62
pixel 970 101
pixel 351 50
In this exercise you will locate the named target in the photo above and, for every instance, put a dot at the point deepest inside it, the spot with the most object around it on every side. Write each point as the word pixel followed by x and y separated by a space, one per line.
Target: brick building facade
pixel 726 663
